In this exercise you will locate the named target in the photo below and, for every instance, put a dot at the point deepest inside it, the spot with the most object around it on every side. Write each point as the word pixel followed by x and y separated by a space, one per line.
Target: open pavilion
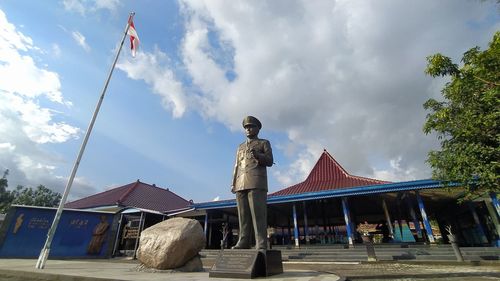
pixel 330 205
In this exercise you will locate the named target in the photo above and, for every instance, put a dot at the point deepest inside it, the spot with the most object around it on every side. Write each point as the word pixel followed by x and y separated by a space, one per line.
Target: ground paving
pixel 408 271
pixel 100 270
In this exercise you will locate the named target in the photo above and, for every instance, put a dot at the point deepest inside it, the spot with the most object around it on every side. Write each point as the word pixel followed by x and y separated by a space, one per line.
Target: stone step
pixel 436 258
pixel 428 253
pixel 387 254
pixel 490 250
pixel 386 250
pixel 341 246
pixel 400 255
pixel 395 258
pixel 419 251
pixel 362 247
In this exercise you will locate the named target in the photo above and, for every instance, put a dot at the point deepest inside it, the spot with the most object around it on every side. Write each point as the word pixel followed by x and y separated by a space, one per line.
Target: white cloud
pixel 110 5
pixel 347 76
pixel 12 39
pixel 5 146
pixel 342 75
pixel 80 40
pixel 56 50
pixel 75 6
pixel 395 172
pixel 154 69
pixel 85 6
pixel 25 125
pixel 35 121
pixel 16 64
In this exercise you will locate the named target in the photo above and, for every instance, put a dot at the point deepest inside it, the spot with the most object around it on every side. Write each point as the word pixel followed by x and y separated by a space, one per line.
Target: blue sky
pixel 347 76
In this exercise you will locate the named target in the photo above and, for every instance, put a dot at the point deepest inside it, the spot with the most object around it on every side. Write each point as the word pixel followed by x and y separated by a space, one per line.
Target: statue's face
pixel 251 130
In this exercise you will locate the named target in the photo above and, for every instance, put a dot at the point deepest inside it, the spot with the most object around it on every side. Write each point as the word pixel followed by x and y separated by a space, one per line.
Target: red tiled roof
pixel 327 174
pixel 136 194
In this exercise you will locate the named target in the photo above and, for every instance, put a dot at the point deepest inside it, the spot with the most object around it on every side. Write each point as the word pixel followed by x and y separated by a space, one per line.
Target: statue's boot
pixel 241 245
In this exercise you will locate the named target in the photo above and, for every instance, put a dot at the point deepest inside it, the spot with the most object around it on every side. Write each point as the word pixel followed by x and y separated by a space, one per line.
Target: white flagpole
pixel 44 254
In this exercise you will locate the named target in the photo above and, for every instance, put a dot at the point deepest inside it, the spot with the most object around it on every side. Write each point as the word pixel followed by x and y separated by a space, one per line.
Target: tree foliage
pixel 5 195
pixel 40 196
pixel 467 121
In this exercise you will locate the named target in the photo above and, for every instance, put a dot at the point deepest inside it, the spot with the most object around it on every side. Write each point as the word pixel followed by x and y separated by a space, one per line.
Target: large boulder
pixel 170 244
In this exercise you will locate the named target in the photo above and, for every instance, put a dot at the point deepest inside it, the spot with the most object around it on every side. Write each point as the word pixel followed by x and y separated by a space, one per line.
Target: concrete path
pixel 66 270
pixel 102 270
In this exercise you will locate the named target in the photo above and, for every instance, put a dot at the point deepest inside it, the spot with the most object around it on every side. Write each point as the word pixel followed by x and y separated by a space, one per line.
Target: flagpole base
pixel 40 264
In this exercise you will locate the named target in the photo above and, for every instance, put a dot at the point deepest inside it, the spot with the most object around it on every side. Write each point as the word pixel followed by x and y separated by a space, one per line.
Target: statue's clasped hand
pixel 255 154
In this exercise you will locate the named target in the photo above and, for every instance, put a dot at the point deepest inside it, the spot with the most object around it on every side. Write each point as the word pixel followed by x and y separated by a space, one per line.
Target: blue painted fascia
pixel 344 192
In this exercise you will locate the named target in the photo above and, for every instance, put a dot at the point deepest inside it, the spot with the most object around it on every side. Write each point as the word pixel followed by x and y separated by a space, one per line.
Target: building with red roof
pixel 136 195
pixel 119 215
pixel 327 174
pixel 329 205
pixel 137 205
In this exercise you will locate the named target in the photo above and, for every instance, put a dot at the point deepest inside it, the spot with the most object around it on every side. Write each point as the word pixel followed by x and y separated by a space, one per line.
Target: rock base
pixel 193 265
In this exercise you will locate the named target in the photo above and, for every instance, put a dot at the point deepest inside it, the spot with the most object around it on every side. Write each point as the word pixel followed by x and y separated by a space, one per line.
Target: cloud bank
pixel 25 125
pixel 347 76
pixel 90 6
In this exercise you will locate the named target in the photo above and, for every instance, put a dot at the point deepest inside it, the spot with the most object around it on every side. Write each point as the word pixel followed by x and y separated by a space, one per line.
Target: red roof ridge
pixel 335 161
pixel 167 189
pixel 327 174
pixel 346 173
pixel 95 195
pixel 120 200
pixel 164 189
pixel 155 186
pixel 178 196
pixel 135 194
pixel 366 178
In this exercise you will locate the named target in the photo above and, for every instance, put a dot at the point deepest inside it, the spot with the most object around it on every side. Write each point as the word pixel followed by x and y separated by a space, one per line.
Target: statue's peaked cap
pixel 251 120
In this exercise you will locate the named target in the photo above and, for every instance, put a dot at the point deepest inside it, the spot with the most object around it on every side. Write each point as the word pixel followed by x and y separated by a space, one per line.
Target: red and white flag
pixel 134 38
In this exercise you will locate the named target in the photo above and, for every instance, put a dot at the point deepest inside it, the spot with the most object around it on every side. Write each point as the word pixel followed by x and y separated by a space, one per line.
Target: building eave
pixel 344 192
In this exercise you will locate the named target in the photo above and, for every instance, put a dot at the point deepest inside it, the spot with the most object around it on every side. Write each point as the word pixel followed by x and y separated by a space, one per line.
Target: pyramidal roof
pixel 327 174
pixel 136 194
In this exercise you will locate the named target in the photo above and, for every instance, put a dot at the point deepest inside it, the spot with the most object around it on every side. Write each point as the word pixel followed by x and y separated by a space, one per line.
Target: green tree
pixel 41 196
pixel 5 195
pixel 467 121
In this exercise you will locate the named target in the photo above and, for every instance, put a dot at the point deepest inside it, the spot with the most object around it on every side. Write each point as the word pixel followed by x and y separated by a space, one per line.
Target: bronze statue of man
pixel 250 185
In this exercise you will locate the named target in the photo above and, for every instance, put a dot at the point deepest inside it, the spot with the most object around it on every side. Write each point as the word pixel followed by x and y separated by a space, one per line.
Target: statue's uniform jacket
pixel 250 185
pixel 250 173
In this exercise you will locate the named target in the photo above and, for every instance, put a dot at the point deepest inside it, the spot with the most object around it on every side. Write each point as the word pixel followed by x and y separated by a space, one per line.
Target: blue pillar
pixel 494 201
pixel 141 225
pixel 347 218
pixel 295 226
pixel 282 236
pixel 494 210
pixel 427 225
pixel 306 228
pixel 206 224
pixel 479 227
pixel 414 218
pixel 289 232
pixel 388 219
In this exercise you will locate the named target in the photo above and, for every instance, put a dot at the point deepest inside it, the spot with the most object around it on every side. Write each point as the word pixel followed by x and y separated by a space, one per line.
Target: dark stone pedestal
pixel 456 249
pixel 370 250
pixel 247 264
